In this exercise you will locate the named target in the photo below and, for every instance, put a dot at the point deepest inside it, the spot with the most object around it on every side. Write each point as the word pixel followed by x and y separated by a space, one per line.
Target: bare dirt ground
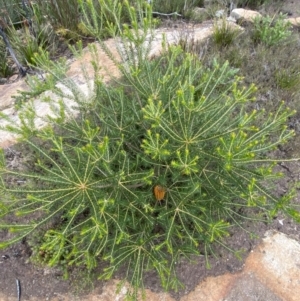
pixel 44 283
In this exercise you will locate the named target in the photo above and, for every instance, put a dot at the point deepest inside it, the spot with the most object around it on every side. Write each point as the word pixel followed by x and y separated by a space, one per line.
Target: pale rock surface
pixel 294 21
pixel 276 263
pixel 108 68
pixel 247 15
pixel 271 273
pixel 9 90
pixel 220 13
pixel 211 289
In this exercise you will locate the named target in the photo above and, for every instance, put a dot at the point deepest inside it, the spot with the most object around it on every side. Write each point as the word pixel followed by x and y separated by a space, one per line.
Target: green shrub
pixel 271 31
pixel 171 127
pixel 11 11
pixel 63 15
pixel 224 32
pixel 288 78
pixel 100 18
pixel 37 84
pixel 5 68
pixel 43 31
pixel 179 6
pixel 105 18
pixel 254 4
pixel 33 38
pixel 25 44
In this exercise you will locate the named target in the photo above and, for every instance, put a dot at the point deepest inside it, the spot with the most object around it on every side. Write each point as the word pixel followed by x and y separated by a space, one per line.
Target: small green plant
pixel 11 11
pixel 63 15
pixel 25 44
pixel 179 6
pixel 254 4
pixel 44 255
pixel 103 18
pixel 271 31
pixel 144 173
pixel 261 65
pixel 100 19
pixel 5 68
pixel 224 32
pixel 43 30
pixel 37 84
pixel 288 78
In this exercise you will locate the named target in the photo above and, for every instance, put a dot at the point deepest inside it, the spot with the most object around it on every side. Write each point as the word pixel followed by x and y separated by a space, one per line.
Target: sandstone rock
pixel 247 15
pixel 211 289
pixel 13 78
pixel 248 287
pixel 230 19
pixel 9 90
pixel 230 24
pixel 294 21
pixel 108 68
pixel 220 13
pixel 276 264
pixel 111 292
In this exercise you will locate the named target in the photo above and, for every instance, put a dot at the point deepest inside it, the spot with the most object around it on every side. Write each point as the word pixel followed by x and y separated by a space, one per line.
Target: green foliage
pixel 288 78
pixel 179 6
pixel 170 122
pixel 224 33
pixel 271 31
pixel 63 15
pixel 101 18
pixel 5 69
pixel 97 174
pixel 104 18
pixel 266 67
pixel 31 36
pixel 254 4
pixel 11 11
pixel 25 44
pixel 37 84
pixel 43 30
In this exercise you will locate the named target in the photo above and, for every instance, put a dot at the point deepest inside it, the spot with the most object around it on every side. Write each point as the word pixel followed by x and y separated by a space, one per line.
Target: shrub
pixel 63 15
pixel 11 11
pixel 147 171
pixel 288 78
pixel 37 84
pixel 5 68
pixel 250 3
pixel 25 44
pixel 103 18
pixel 172 6
pixel 224 32
pixel 271 31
